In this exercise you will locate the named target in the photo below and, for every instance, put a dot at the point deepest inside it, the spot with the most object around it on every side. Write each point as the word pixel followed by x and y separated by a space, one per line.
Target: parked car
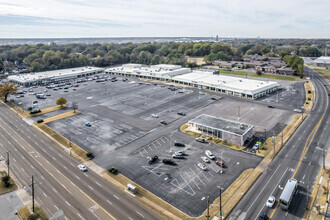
pixel 270 106
pixel 202 140
pixel 209 154
pixel 263 216
pixel 270 202
pixel 169 162
pixel 213 98
pixel 174 156
pixel 152 159
pixel 154 116
pixel 82 167
pixel 179 153
pixel 177 144
pixel 220 163
pixel 88 124
pixel 205 159
pixel 163 122
pixel 182 113
pixel 202 166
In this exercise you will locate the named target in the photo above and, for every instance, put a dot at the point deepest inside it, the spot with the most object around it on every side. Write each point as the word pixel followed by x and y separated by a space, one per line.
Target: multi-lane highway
pixel 300 158
pixel 61 189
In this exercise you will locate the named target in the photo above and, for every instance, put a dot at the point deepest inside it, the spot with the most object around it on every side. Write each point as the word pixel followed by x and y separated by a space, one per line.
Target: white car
pixel 202 166
pixel 82 167
pixel 270 202
pixel 154 116
pixel 205 159
pixel 179 153
pixel 209 154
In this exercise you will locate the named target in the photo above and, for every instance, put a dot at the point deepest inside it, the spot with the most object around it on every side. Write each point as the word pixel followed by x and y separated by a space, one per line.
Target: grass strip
pixel 61 116
pixel 25 213
pixel 50 109
pixel 12 186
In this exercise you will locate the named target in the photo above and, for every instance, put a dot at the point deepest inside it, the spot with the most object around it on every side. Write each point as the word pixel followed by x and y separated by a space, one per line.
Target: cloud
pixel 107 18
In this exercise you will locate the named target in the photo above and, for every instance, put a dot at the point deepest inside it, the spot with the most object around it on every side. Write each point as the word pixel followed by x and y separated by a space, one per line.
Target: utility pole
pixel 265 133
pixel 32 195
pixel 323 157
pixel 8 162
pixel 239 112
pixel 220 205
pixel 208 209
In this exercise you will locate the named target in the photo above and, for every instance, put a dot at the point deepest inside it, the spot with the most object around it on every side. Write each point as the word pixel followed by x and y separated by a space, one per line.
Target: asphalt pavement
pixel 301 158
pixel 61 189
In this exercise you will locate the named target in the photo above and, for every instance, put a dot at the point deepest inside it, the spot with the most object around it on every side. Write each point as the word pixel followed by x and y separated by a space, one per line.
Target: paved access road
pixel 61 189
pixel 301 158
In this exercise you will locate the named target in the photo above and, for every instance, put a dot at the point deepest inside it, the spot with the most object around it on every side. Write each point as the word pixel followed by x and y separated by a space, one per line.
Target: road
pixel 301 158
pixel 61 189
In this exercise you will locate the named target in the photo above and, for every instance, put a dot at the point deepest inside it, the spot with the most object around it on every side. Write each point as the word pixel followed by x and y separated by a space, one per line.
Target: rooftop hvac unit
pixel 241 126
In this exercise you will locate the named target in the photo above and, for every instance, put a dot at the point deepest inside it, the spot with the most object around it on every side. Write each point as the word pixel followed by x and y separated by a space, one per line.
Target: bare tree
pixel 74 106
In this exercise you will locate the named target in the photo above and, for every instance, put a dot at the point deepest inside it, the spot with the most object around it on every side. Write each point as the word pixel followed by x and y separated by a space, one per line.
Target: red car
pixel 221 164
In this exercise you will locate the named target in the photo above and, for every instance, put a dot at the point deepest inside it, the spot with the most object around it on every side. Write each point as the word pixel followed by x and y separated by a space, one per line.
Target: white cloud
pixel 107 18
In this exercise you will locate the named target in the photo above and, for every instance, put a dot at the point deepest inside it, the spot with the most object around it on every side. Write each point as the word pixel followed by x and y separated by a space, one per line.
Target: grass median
pixel 310 96
pixel 25 214
pixel 324 72
pixel 50 109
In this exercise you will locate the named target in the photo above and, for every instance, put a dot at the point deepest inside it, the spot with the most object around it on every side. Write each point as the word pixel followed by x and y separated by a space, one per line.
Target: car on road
pixel 154 116
pixel 213 98
pixel 202 140
pixel 151 160
pixel 182 113
pixel 177 144
pixel 163 122
pixel 220 163
pixel 169 162
pixel 205 159
pixel 175 156
pixel 88 124
pixel 270 202
pixel 202 166
pixel 263 216
pixel 82 167
pixel 270 106
pixel 209 154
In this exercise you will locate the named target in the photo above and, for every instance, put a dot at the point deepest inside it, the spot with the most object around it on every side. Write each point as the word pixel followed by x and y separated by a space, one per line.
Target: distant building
pixel 231 131
pixel 53 76
pixel 322 61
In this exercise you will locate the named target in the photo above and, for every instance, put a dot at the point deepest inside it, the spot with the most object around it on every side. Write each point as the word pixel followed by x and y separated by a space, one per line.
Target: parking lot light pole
pixel 171 140
pixel 8 162
pixel 265 133
pixel 221 171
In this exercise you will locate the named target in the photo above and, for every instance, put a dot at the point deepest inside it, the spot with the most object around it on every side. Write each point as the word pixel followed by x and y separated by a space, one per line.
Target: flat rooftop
pixel 322 59
pixel 236 84
pixel 221 124
pixel 30 77
pixel 160 70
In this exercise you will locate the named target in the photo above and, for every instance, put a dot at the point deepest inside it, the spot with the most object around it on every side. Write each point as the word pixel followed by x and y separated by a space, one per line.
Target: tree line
pixel 42 57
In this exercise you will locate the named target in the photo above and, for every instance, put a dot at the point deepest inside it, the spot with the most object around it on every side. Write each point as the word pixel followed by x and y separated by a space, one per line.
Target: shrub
pixel 33 217
pixel 5 178
pixel 307 103
pixel 90 155
pixel 309 99
pixel 34 112
pixel 209 139
pixel 113 171
pixel 259 73
pixel 40 121
pixel 30 108
pixel 309 91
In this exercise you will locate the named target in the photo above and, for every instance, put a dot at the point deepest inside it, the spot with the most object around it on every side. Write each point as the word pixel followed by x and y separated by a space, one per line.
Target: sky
pixel 169 18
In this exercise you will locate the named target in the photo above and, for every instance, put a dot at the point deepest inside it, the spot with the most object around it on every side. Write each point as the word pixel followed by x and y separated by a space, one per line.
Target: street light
pixel 221 171
pixel 220 202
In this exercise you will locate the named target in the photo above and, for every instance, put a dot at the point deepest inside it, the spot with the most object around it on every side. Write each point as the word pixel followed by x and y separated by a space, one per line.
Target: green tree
pixel 61 101
pixel 7 89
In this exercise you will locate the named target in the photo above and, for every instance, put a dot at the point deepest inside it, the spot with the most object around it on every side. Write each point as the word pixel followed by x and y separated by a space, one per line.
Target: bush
pixel 309 99
pixel 90 155
pixel 307 103
pixel 5 178
pixel 259 73
pixel 34 112
pixel 33 217
pixel 40 121
pixel 309 91
pixel 113 171
pixel 30 108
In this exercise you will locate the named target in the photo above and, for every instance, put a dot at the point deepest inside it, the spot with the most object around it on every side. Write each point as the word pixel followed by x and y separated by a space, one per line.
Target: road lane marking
pixel 98 184
pixel 80 216
pixel 67 203
pixel 6 130
pixel 116 197
pixel 263 188
pixel 77 177
pixel 56 207
pixel 139 214
pixel 109 202
pixel 90 187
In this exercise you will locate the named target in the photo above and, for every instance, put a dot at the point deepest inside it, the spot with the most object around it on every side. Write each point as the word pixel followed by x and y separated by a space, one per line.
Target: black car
pixel 177 156
pixel 213 98
pixel 152 159
pixel 169 162
pixel 163 122
pixel 177 144
pixel 270 106
pixel 181 113
pixel 263 216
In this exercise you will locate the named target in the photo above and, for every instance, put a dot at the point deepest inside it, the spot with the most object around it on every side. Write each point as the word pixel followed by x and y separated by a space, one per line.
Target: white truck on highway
pixel 288 193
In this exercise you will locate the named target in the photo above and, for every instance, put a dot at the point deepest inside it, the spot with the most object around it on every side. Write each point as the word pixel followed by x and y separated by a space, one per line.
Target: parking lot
pixel 125 130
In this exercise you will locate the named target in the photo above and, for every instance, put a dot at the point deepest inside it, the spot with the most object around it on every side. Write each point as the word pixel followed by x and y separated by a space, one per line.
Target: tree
pixel 74 106
pixel 8 89
pixel 61 101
